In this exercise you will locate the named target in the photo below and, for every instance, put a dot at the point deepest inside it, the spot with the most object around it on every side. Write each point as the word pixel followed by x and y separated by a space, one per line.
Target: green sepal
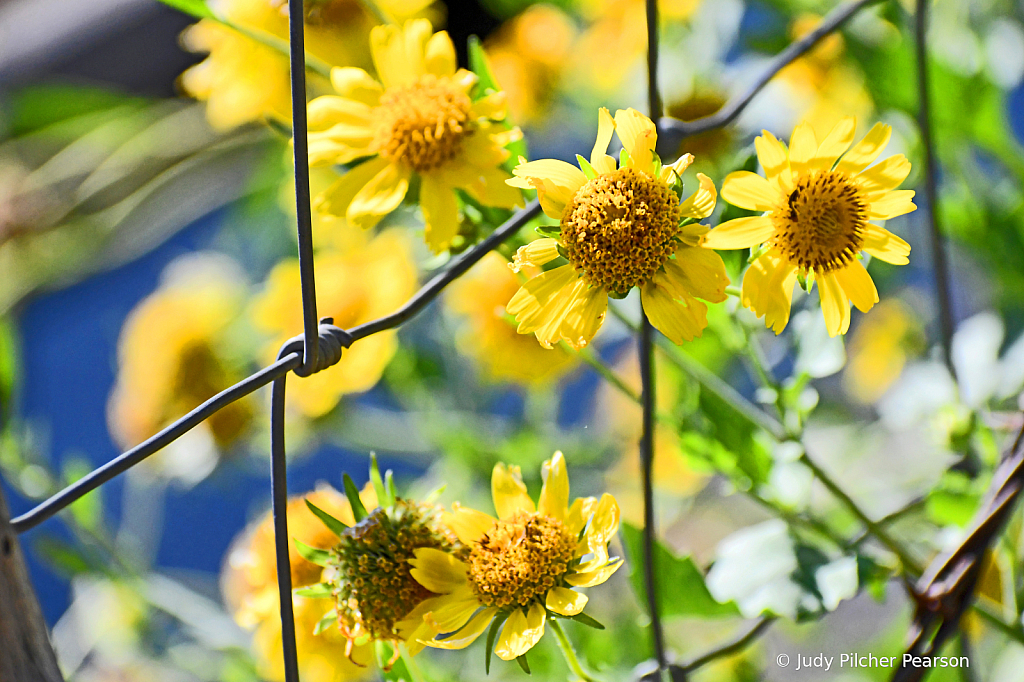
pixel 478 65
pixel 352 493
pixel 492 634
pixel 334 525
pixel 587 169
pixel 623 157
pixel 436 493
pixel 677 186
pixel 617 295
pixel 383 499
pixel 757 253
pixel 318 591
pixel 329 619
pixel 320 557
pixel 687 221
pixel 550 231
pixel 588 621
pixel 657 164
pixel 805 280
pixel 523 663
pixel 389 483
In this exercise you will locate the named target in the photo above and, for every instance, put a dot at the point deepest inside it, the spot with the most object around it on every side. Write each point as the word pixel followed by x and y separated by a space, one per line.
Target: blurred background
pixel 146 262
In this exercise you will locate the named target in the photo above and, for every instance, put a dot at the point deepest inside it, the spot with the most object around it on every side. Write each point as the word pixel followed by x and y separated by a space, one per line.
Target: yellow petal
pixel 554 494
pixel 509 491
pixel 885 246
pixel 324 112
pixel 490 189
pixel 438 571
pixel 775 160
pixel 858 285
pixel 892 204
pixel 741 233
pixel 341 143
pixel 539 305
pixel 336 199
pixel 768 290
pixel 605 522
pixel 580 512
pixel 378 197
pixel 439 58
pixel 834 304
pixel 536 253
pixel 676 169
pixel 565 602
pixel 698 271
pixel 452 611
pixel 701 203
pixel 865 151
pixel 599 155
pixel 556 183
pixel 467 635
pixel 596 577
pixel 835 143
pixel 802 149
pixel 416 34
pixel 638 136
pixel 468 524
pixel 679 321
pixel 883 176
pixel 387 47
pixel 584 315
pixel 750 191
pixel 356 84
pixel 440 212
pixel 521 632
pixel 493 105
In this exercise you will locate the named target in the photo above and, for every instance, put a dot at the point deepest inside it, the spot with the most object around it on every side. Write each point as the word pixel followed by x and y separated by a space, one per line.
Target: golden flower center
pixel 520 559
pixel 620 229
pixel 422 125
pixel 820 226
pixel 370 572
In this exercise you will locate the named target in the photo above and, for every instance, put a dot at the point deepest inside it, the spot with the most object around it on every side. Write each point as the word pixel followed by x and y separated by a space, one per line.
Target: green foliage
pixel 333 524
pixel 352 493
pixel 197 8
pixel 320 557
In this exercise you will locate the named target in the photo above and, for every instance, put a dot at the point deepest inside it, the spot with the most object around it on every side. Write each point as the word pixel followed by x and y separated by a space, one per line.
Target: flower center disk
pixel 422 125
pixel 370 572
pixel 820 226
pixel 520 559
pixel 620 229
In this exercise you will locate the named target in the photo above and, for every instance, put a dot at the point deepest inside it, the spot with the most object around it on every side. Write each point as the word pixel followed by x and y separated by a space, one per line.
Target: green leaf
pixel 8 368
pixel 320 557
pixel 329 619
pixel 589 621
pixel 523 663
pixel 587 169
pixel 492 634
pixel 681 588
pixel 87 510
pixel 478 64
pixel 318 591
pixel 352 493
pixel 196 8
pixel 66 559
pixel 383 499
pixel 333 524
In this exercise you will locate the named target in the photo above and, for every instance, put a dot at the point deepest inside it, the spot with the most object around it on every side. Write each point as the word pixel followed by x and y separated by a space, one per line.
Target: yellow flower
pixel 171 355
pixel 418 121
pixel 521 566
pixel 620 228
pixel 371 278
pixel 879 349
pixel 244 80
pixel 504 355
pixel 817 200
pixel 249 584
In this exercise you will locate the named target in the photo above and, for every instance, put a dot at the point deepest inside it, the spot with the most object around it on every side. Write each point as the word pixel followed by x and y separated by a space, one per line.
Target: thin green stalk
pixel 568 652
pixel 410 664
pixel 1014 632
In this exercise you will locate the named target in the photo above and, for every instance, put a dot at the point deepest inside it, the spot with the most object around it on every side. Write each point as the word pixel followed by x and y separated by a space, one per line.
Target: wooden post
pixel 25 651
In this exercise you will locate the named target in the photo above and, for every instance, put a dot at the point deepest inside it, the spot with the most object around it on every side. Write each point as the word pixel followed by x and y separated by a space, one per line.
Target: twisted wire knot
pixel 331 341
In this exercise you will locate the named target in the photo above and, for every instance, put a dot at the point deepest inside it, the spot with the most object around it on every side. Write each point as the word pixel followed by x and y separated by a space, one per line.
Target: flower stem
pixel 569 653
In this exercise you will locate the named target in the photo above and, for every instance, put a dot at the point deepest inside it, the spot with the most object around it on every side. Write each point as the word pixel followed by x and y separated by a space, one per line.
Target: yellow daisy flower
pixel 479 298
pixel 520 567
pixel 249 585
pixel 620 228
pixel 817 200
pixel 418 121
pixel 366 279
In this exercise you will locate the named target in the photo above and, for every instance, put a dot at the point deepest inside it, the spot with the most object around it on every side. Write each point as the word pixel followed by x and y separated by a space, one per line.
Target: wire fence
pixel 946 588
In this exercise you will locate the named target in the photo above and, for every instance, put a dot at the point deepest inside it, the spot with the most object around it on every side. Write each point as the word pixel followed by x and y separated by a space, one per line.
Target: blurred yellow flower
pixel 172 354
pixel 526 56
pixel 243 80
pixel 817 201
pixel 419 121
pixel 520 566
pixel 479 298
pixel 249 584
pixel 879 349
pixel 620 228
pixel 372 277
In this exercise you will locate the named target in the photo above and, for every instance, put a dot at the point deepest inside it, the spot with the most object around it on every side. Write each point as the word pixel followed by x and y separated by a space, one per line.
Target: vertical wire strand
pixel 297 57
pixel 279 492
pixel 645 352
pixel 924 123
